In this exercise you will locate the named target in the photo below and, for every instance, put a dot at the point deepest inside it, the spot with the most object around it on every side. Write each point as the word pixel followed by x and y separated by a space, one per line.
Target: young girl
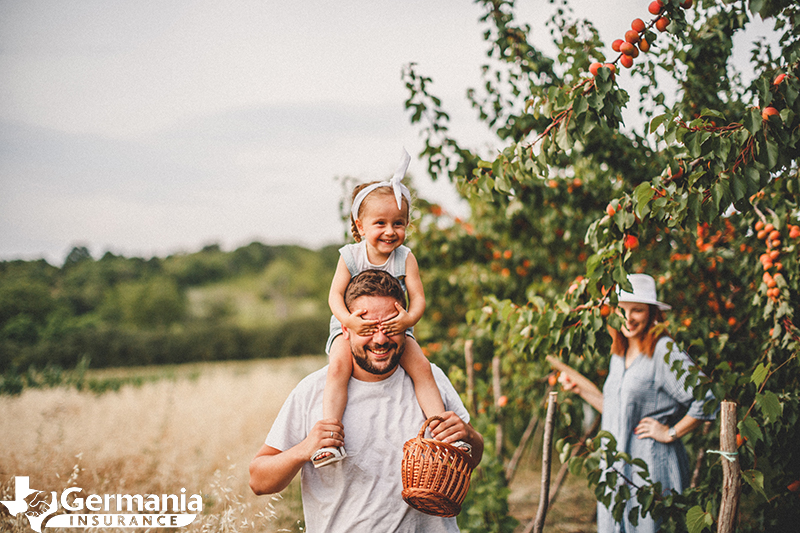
pixel 379 218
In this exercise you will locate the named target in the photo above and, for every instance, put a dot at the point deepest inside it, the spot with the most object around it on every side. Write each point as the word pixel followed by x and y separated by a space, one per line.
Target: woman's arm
pixel 587 390
pixel 649 428
pixel 573 381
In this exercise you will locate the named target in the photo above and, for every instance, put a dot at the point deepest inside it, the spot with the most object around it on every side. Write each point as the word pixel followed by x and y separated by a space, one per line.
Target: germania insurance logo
pixel 107 510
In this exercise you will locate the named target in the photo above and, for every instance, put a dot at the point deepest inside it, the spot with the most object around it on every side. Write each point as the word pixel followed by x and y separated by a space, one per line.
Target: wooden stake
pixel 497 393
pixel 731 470
pixel 470 375
pixel 547 447
pixel 511 469
pixel 701 456
pixel 564 470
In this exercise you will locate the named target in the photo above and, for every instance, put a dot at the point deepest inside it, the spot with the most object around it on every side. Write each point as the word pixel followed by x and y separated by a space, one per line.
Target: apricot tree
pixel 704 197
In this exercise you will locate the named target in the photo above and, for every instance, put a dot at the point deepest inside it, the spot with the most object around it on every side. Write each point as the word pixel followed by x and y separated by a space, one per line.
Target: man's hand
pixel 327 433
pixel 453 429
pixel 272 470
pixel 449 430
pixel 399 323
pixel 357 324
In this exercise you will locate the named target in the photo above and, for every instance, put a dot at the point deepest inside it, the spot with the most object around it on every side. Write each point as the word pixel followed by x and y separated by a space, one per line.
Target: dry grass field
pixel 196 430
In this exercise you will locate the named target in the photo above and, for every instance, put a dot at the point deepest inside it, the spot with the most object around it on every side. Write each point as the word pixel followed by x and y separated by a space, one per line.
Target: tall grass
pixel 197 433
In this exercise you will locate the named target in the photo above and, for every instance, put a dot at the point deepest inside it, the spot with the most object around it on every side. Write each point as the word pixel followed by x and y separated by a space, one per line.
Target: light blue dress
pixel 648 388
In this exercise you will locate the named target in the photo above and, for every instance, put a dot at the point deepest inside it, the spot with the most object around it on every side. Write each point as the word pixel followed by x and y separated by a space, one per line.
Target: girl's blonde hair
pixel 654 330
pixel 384 191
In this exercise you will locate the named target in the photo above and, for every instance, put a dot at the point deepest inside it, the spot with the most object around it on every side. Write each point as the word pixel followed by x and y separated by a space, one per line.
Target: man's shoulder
pixel 312 382
pixel 438 373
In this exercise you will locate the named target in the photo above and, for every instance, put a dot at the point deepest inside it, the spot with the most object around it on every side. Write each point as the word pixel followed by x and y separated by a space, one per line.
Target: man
pixel 362 492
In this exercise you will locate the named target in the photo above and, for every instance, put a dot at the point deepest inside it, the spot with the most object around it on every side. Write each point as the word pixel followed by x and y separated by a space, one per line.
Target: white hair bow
pixel 395 183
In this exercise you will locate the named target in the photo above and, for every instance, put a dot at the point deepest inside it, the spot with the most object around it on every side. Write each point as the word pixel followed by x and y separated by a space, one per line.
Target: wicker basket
pixel 435 474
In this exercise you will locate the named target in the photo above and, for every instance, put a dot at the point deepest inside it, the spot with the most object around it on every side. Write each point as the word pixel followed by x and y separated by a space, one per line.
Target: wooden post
pixel 547 447
pixel 731 470
pixel 497 393
pixel 564 470
pixel 470 376
pixel 701 456
pixel 511 469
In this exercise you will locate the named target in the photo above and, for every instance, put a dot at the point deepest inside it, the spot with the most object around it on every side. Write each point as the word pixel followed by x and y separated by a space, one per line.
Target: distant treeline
pixel 254 302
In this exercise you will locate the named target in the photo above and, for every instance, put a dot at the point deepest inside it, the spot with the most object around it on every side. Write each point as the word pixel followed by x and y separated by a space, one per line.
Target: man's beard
pixel 362 360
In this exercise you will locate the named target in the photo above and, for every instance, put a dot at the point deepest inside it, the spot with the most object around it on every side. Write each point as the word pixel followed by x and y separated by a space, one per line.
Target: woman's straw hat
pixel 644 291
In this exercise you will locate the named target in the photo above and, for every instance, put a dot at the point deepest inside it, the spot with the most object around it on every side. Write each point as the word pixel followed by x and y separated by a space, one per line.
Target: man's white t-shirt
pixel 363 492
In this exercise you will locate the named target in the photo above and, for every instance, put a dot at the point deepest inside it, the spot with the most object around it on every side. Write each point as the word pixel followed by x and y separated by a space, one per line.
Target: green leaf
pixel 575 466
pixel 770 406
pixel 760 374
pixel 755 479
pixel 696 519
pixel 772 154
pixel 711 113
pixel 752 120
pixel 657 121
pixel 643 194
pixel 749 429
pixel 580 105
pixel 738 187
pixel 719 192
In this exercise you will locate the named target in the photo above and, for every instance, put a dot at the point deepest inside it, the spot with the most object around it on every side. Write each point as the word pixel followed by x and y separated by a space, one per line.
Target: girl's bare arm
pixel 407 318
pixel 352 319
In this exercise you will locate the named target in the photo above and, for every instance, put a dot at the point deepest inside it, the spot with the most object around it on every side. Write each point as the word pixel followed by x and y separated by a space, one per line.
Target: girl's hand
pixel 358 325
pixel 397 324
pixel 649 428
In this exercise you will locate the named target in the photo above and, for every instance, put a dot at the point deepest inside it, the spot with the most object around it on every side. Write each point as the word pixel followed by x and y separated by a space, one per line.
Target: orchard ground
pixel 197 428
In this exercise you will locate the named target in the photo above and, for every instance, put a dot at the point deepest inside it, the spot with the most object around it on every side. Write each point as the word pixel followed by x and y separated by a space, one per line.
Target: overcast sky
pixel 151 127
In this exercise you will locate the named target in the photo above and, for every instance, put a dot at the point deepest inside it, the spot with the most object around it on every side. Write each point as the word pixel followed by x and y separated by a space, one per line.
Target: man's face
pixel 377 355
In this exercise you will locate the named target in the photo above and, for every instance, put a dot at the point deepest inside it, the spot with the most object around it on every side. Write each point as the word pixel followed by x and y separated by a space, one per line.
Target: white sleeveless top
pixel 355 257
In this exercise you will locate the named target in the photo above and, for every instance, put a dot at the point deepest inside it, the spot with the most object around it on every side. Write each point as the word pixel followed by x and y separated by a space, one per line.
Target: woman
pixel 644 404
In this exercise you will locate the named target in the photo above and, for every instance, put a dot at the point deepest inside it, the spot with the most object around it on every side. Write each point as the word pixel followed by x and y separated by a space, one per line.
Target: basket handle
pixel 426 424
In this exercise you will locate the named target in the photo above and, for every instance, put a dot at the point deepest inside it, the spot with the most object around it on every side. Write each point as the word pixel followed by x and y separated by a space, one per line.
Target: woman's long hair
pixel 654 330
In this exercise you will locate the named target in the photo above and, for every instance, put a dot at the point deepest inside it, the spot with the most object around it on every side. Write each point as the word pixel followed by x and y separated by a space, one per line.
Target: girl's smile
pixel 382 226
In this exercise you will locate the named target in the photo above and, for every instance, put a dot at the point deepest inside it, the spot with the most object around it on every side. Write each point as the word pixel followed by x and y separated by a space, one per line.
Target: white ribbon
pixel 395 183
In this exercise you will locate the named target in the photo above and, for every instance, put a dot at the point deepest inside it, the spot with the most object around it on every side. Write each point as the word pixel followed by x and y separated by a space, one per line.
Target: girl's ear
pixel 360 227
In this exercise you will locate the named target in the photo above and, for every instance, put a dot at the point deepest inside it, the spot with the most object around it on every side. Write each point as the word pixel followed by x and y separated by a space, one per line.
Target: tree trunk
pixel 731 471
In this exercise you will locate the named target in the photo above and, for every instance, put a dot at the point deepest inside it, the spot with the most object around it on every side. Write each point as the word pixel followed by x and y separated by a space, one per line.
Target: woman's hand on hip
pixel 649 428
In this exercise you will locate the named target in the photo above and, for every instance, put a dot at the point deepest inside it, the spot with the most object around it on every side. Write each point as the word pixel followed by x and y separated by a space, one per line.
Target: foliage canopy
pixel 704 198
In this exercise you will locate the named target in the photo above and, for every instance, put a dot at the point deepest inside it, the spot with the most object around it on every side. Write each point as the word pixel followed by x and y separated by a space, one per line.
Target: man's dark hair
pixel 374 283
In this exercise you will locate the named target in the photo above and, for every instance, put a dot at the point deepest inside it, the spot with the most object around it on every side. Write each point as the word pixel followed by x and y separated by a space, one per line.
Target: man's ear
pixel 345 332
